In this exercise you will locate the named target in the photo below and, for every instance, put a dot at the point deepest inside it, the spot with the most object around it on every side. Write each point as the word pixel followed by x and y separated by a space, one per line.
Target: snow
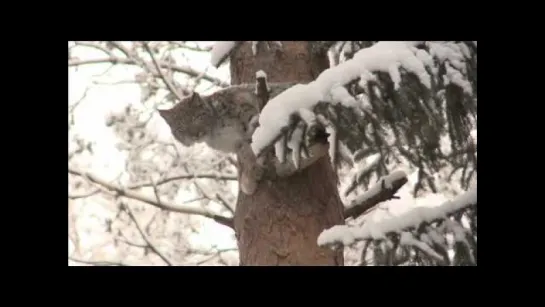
pixel 455 76
pixel 383 56
pixel 340 94
pixel 473 134
pixel 220 50
pixel 426 58
pixel 254 47
pixel 331 139
pixel 365 77
pixel 454 54
pixel 395 75
pixel 359 170
pixel 280 150
pixel 408 239
pixel 308 116
pixel 294 144
pixel 349 235
pixel 260 74
pixel 375 189
pixel 459 234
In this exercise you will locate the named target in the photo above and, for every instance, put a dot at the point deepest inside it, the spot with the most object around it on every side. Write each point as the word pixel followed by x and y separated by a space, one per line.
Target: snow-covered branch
pixel 345 235
pixel 221 51
pixel 383 56
pixel 361 173
pixel 380 192
pixel 413 92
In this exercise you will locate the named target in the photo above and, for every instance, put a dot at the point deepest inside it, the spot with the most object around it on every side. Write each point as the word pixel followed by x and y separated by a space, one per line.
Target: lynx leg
pixel 251 171
pixel 249 179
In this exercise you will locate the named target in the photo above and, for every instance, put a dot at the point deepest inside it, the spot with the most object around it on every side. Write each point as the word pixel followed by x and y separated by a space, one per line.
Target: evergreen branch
pixel 360 174
pixel 419 94
pixel 414 219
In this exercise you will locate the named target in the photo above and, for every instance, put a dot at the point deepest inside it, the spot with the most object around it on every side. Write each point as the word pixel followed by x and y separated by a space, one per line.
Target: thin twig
pixel 149 200
pixel 145 237
pixel 124 240
pixel 225 203
pixel 188 176
pixel 220 200
pixel 117 60
pixel 95 46
pixel 167 82
pixel 83 195
pixel 192 48
pixel 98 263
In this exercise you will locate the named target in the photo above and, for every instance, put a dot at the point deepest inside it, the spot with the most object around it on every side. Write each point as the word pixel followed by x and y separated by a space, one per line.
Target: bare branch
pixel 117 60
pixel 97 263
pixel 83 195
pixel 121 48
pixel 376 194
pixel 145 237
pixel 149 200
pixel 124 240
pixel 95 46
pixel 217 199
pixel 192 48
pixel 225 203
pixel 167 82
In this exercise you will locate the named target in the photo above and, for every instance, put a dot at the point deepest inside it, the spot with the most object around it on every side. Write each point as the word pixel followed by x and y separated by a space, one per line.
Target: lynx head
pixel 191 120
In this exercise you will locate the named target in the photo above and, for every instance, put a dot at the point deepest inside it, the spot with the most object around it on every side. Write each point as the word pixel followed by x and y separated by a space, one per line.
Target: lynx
pixel 225 121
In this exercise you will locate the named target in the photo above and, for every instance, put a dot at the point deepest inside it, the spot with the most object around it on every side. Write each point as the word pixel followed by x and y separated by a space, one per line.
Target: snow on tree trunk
pixel 280 223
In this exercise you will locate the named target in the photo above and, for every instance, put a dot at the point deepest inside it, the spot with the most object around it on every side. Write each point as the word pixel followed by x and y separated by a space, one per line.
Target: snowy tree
pixel 400 121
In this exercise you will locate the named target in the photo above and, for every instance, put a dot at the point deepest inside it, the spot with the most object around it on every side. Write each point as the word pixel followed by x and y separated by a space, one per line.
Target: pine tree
pixel 411 102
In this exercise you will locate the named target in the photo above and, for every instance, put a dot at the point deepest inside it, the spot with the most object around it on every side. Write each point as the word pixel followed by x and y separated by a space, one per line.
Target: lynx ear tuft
pixel 166 113
pixel 195 97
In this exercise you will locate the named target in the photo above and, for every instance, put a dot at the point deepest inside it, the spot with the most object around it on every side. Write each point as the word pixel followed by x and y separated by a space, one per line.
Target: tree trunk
pixel 280 223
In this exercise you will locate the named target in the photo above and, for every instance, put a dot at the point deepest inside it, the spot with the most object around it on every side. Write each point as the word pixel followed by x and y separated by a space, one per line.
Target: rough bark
pixel 279 224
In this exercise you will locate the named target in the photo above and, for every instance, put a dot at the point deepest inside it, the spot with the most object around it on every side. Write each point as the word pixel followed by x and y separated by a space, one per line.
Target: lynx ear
pixel 165 114
pixel 195 98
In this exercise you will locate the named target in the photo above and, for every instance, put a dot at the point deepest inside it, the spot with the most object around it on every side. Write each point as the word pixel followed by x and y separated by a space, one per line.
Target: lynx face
pixel 191 120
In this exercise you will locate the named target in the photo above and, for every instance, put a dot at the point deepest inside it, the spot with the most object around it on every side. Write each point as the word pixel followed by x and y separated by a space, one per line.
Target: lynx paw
pixel 247 185
pixel 249 180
